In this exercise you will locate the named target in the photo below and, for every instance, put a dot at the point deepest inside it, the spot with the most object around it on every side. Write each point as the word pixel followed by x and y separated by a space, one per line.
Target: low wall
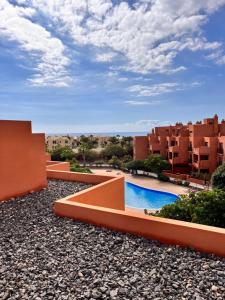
pixel 59 166
pixel 103 205
pixel 175 176
pixel 203 238
pixel 184 177
pixel 107 192
pixel 47 156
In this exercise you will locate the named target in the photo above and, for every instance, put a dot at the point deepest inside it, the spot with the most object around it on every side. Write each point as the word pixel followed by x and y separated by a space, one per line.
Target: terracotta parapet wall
pixel 22 159
pixel 58 166
pixel 81 177
pixel 200 237
pixel 107 192
pixel 47 156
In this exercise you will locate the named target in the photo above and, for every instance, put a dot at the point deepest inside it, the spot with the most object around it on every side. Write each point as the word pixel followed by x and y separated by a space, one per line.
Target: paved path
pixel 145 181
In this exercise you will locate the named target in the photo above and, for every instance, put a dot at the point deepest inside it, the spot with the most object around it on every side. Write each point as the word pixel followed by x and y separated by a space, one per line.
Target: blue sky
pixel 103 66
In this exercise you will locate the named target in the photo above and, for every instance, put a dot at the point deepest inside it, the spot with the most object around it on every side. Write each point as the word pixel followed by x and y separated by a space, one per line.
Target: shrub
pixel 135 165
pixel 62 154
pixel 115 162
pixel 113 150
pixel 163 177
pixel 218 178
pixel 77 168
pixel 155 163
pixel 205 207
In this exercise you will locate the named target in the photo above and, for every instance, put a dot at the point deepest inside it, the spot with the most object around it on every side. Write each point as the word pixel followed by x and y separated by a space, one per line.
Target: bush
pixel 205 207
pixel 218 178
pixel 135 165
pixel 75 167
pixel 62 154
pixel 163 177
pixel 113 150
pixel 156 164
pixel 115 162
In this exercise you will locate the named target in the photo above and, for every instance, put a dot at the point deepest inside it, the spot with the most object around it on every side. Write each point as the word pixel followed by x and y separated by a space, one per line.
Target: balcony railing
pixel 220 151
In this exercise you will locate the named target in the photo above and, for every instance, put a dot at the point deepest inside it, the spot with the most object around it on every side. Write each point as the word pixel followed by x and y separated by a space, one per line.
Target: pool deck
pixel 146 182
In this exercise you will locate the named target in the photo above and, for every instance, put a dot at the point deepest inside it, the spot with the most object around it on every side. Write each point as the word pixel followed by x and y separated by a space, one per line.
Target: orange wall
pixel 56 165
pixel 141 147
pixel 203 238
pixel 48 156
pixel 22 159
pixel 108 191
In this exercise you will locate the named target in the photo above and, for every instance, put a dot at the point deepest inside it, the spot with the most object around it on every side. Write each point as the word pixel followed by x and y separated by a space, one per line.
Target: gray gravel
pixel 43 256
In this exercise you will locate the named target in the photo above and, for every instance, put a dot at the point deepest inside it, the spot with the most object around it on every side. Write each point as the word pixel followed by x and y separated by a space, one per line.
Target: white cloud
pixel 154 90
pixel 161 88
pixel 217 57
pixel 145 37
pixel 142 103
pixel 148 36
pixel 105 57
pixel 46 51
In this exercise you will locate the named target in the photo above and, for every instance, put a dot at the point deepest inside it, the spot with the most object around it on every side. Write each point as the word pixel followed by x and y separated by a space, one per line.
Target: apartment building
pixel 195 147
pixel 54 142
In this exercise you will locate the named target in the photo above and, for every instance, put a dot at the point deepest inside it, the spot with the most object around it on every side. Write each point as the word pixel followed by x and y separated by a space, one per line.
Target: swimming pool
pixel 140 197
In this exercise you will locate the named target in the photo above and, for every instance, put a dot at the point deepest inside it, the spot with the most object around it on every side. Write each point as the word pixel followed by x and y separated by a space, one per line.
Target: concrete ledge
pixel 107 191
pixel 57 165
pixel 104 205
pixel 203 238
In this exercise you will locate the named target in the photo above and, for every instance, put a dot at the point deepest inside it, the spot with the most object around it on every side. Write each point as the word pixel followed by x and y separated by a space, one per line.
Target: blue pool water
pixel 140 197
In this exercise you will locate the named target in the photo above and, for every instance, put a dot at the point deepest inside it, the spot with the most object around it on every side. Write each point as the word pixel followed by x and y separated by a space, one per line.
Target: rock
pixel 47 257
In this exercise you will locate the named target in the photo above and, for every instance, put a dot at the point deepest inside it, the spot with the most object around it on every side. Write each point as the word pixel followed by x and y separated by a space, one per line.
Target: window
pixel 54 142
pixel 176 154
pixel 190 146
pixel 220 148
pixel 204 157
pixel 172 143
pixel 170 155
pixel 204 171
pixel 206 144
pixel 156 152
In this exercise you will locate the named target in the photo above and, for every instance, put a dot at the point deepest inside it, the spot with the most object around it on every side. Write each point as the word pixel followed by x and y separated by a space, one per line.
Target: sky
pixel 111 65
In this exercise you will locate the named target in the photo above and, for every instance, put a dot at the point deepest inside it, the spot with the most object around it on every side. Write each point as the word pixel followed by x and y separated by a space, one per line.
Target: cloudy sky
pixel 111 65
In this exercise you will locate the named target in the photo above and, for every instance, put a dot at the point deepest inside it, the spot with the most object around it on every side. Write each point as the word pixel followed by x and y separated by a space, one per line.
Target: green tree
pixel 115 162
pixel 205 207
pixel 114 140
pixel 156 164
pixel 218 178
pixel 113 150
pixel 62 154
pixel 135 165
pixel 83 150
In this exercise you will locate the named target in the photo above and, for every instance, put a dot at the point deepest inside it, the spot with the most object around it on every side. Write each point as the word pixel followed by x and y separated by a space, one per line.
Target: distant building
pixel 192 147
pixel 54 142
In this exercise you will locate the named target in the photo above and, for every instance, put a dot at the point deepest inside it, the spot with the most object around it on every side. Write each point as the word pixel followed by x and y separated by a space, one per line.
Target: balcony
pixel 155 147
pixel 173 148
pixel 220 151
pixel 202 164
pixel 202 150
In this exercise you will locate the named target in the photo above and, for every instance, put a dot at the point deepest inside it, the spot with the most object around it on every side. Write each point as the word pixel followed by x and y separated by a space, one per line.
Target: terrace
pixel 44 256
pixel 47 253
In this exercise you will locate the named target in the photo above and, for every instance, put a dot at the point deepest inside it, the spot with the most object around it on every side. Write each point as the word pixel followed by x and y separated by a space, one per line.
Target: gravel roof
pixel 43 256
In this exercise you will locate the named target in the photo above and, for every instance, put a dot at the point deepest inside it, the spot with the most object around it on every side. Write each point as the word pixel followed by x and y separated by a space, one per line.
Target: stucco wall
pixel 56 165
pixel 141 147
pixel 22 159
pixel 107 191
pixel 204 238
